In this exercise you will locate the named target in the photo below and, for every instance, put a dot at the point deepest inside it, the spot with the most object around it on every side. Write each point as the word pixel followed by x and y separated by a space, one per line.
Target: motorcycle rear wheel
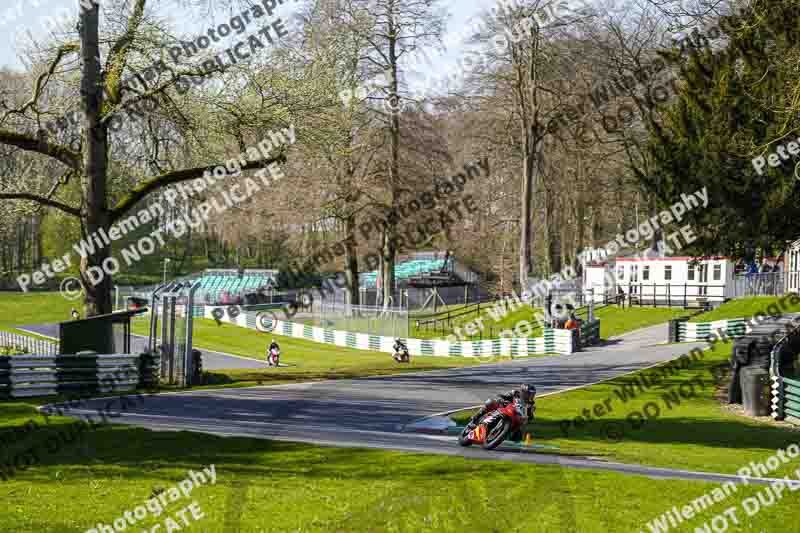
pixel 497 434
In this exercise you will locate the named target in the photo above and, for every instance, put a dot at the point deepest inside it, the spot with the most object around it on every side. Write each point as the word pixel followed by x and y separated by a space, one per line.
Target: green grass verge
pixel 310 360
pixel 697 433
pixel 615 320
pixel 18 309
pixel 747 307
pixel 271 486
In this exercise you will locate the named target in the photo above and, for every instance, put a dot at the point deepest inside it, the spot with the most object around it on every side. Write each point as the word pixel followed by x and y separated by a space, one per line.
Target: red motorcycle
pixel 496 426
pixel 274 357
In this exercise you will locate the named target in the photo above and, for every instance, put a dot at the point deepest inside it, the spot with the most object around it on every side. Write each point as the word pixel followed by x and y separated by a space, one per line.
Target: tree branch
pixel 42 80
pixel 170 178
pixel 40 146
pixel 118 56
pixel 41 200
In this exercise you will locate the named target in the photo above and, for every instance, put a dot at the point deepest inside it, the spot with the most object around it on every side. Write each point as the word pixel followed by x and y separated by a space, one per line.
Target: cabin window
pixel 690 276
pixel 717 272
pixel 645 273
pixel 668 273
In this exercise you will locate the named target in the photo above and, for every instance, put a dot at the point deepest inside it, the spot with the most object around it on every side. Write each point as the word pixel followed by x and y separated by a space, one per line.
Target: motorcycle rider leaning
pixel 272 345
pixel 526 394
pixel 399 348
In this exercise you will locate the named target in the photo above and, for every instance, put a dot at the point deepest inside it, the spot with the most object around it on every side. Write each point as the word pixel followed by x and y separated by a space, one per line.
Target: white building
pixel 662 280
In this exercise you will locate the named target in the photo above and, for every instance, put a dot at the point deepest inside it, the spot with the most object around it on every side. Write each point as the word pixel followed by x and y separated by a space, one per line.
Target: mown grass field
pixel 19 309
pixel 748 307
pixel 276 487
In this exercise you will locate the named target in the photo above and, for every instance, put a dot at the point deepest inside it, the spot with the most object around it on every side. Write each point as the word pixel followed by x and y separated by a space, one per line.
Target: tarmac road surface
pixel 378 412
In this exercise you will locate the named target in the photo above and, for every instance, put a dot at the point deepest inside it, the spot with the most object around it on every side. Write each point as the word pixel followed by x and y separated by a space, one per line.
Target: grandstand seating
pixel 407 270
pixel 228 287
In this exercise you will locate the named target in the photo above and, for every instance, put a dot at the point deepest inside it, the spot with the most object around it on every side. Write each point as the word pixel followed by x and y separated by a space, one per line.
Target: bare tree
pixel 394 28
pixel 101 97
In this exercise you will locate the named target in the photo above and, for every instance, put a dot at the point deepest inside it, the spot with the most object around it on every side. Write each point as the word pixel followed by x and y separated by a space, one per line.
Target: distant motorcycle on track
pixel 274 357
pixel 273 354
pixel 401 352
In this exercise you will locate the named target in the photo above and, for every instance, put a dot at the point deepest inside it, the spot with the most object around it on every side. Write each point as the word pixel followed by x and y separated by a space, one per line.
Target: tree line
pixel 696 89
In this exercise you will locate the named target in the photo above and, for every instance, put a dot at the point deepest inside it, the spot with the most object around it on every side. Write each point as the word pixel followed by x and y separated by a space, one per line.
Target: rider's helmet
pixel 527 393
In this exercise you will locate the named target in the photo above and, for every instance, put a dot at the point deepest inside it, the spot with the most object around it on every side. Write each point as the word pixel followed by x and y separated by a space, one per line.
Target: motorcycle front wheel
pixel 463 439
pixel 496 434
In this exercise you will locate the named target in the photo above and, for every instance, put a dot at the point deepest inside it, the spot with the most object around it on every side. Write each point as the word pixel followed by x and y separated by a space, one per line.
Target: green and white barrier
pixel 554 340
pixel 700 331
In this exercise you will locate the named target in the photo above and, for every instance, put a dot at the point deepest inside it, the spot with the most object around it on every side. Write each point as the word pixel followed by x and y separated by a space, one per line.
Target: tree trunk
pixel 387 268
pixel 657 233
pixel 526 216
pixel 351 260
pixel 37 240
pixel 580 232
pixel 97 299
pixel 388 249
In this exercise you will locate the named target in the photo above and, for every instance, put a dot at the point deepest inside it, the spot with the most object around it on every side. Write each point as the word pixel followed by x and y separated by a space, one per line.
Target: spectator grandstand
pixel 414 268
pixel 421 277
pixel 229 286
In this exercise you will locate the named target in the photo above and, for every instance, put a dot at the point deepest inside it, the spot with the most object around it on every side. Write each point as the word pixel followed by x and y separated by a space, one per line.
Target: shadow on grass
pixel 135 453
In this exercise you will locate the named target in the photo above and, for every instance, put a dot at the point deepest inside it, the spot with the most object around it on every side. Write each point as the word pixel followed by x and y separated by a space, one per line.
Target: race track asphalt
pixel 378 412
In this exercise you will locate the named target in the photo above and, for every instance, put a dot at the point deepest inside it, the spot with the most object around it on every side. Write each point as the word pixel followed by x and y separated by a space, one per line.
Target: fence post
pixel 684 295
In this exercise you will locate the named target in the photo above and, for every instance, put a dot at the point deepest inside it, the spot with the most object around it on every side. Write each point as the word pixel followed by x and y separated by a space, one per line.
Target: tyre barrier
pixel 784 372
pixel 764 364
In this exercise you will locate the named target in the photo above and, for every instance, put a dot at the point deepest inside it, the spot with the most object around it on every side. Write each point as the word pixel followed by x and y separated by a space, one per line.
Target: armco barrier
pixel 43 375
pixel 699 331
pixel 553 341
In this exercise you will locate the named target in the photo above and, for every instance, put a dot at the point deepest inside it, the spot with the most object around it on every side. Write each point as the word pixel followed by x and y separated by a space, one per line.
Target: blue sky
pixel 19 18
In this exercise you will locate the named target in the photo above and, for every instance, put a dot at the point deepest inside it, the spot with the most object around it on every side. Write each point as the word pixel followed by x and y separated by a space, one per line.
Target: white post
pixel 166 260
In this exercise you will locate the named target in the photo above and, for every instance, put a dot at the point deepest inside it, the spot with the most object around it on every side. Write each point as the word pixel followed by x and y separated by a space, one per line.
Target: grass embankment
pixel 271 486
pixel 614 320
pixel 309 360
pixel 19 309
pixel 748 307
pixel 693 431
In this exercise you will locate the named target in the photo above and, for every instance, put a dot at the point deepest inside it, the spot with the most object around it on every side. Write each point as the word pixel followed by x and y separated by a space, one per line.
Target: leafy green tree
pixel 725 115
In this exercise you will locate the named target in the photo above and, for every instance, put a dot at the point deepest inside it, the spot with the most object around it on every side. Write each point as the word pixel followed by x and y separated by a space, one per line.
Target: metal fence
pixel 759 284
pixel 674 295
pixel 30 345
pixel 330 314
